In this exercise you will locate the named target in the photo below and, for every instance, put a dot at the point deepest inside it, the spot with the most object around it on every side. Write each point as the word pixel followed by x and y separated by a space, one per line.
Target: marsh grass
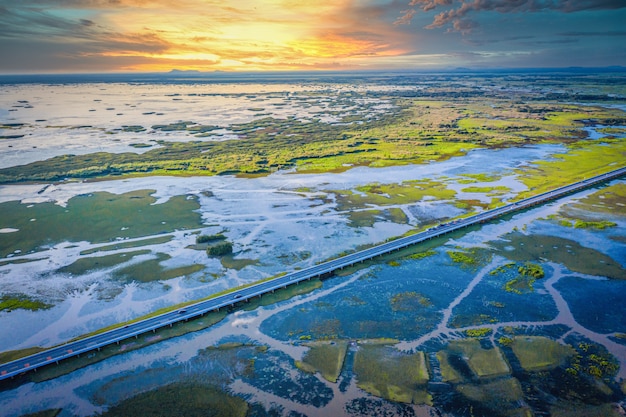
pixel 448 372
pixel 97 218
pixel 387 373
pixel 126 245
pixel 502 395
pixel 325 357
pixel 184 399
pixel 567 252
pixel 10 302
pixel 483 362
pixel 536 353
pixel 414 132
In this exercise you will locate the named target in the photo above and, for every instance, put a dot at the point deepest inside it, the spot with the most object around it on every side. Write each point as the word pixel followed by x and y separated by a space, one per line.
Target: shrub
pixel 209 238
pixel 220 249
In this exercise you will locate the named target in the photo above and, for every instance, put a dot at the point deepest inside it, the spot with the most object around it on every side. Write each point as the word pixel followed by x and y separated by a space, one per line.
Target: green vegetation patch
pixel 609 200
pixel 523 283
pixel 409 301
pixel 133 244
pixel 567 252
pixel 324 357
pixel 483 362
pixel 220 249
pixel 594 360
pixel 230 262
pixel 461 257
pixel 586 159
pixel 481 332
pixel 12 302
pixel 581 224
pixel 502 396
pixel 536 353
pixel 482 177
pixel 421 255
pixel 470 257
pixel 185 399
pixel 210 238
pixel 411 133
pixel 11 355
pixel 490 191
pixel 448 372
pixel 96 218
pixel 388 373
pixel 382 195
pixel 152 270
pixel 579 409
pixel 91 263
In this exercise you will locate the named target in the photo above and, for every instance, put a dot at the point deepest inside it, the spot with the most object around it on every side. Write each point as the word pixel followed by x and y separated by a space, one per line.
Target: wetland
pixel 110 216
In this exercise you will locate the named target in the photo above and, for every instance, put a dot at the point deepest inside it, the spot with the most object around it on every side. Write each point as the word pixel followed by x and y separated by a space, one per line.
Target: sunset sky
pixel 44 36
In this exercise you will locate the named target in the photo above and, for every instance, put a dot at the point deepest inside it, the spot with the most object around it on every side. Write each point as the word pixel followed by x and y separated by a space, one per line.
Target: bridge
pixel 75 348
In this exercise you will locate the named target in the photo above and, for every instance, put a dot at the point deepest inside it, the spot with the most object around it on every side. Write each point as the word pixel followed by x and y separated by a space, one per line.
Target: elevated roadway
pixel 75 348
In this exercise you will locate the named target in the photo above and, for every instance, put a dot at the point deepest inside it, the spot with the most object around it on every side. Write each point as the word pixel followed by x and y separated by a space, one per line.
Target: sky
pixel 78 36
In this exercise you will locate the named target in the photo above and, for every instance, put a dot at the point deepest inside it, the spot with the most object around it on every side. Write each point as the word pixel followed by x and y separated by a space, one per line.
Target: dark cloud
pixel 456 11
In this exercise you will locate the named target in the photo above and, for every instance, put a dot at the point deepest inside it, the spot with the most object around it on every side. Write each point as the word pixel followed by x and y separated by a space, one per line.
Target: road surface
pixel 70 349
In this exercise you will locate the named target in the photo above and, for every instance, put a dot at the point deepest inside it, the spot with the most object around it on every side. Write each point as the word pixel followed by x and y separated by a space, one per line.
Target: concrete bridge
pixel 75 348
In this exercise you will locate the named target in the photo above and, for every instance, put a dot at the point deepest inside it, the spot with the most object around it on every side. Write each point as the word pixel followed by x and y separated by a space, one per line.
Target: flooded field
pixel 519 317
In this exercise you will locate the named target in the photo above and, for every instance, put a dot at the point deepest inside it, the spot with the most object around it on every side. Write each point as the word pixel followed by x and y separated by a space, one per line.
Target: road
pixel 71 349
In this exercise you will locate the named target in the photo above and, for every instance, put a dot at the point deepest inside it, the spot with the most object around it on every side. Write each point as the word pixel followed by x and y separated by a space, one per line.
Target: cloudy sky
pixel 43 36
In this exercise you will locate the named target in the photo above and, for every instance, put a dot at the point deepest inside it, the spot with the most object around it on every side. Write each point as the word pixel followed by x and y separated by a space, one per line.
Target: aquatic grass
pixel 97 217
pixel 483 362
pixel 10 302
pixel 188 399
pixel 387 373
pixel 502 396
pixel 537 353
pixel 587 159
pixel 600 225
pixel 567 252
pixel 126 245
pixel 324 357
pixel 448 372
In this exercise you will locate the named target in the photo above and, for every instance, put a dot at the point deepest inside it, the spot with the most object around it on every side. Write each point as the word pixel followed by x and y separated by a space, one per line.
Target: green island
pixel 417 132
